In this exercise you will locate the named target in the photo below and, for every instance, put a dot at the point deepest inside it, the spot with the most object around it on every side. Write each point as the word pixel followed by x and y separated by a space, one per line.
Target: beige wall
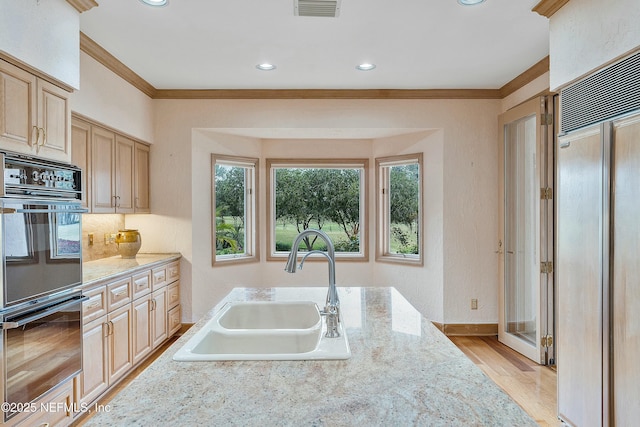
pixel 458 137
pixel 460 142
pixel 110 100
pixel 584 34
pixel 43 34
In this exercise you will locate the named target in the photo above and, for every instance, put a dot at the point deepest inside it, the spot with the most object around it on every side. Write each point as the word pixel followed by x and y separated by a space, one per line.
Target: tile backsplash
pixel 99 225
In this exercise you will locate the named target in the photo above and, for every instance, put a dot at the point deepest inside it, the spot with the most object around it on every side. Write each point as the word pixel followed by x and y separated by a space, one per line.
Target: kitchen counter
pixel 113 267
pixel 402 371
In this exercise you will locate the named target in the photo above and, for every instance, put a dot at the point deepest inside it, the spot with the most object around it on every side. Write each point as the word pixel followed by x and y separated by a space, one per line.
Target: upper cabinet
pixel 141 179
pixel 35 118
pixel 116 167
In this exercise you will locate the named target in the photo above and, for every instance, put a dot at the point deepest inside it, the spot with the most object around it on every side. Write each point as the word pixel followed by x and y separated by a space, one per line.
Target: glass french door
pixel 526 230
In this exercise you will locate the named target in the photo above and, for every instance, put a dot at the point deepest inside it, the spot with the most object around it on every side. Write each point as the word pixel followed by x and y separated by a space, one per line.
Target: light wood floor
pixel 532 386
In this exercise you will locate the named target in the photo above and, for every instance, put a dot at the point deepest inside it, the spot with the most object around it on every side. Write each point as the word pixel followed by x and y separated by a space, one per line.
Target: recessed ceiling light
pixel 265 66
pixel 155 2
pixel 366 67
pixel 470 2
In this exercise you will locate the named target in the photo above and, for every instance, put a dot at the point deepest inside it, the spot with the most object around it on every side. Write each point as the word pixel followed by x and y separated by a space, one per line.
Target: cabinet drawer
pixel 173 271
pixel 159 278
pixel 141 284
pixel 54 409
pixel 173 294
pixel 118 294
pixel 173 318
pixel 96 305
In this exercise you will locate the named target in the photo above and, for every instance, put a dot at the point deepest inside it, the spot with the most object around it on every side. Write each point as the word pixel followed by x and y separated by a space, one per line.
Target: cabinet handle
pixel 94 304
pixel 35 130
pixel 135 203
pixel 117 201
pixel 44 137
pixel 120 293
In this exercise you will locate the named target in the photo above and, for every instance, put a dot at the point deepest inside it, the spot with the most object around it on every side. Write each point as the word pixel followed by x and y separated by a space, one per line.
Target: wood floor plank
pixel 531 385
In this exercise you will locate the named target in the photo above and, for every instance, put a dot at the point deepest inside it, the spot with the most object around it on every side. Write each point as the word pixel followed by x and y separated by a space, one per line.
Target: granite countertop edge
pixel 115 267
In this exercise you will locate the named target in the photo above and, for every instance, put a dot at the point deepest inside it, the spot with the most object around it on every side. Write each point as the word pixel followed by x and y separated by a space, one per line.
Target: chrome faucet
pixel 332 306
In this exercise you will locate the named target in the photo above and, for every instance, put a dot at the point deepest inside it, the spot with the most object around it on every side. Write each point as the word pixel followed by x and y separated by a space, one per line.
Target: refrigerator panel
pixel 626 273
pixel 579 269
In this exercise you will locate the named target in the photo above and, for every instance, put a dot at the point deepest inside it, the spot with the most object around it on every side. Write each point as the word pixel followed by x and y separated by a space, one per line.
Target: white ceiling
pixel 416 44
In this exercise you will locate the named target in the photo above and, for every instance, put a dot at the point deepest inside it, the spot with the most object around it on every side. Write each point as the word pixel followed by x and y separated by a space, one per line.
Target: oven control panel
pixel 25 176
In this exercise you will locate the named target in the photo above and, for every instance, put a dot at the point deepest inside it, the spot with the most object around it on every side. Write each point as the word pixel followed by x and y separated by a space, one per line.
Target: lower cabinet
pixel 119 330
pixel 56 409
pixel 94 378
pixel 159 316
pixel 142 344
pixel 124 321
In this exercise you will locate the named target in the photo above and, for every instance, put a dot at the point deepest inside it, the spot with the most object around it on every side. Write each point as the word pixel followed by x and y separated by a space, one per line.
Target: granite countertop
pixel 112 267
pixel 402 371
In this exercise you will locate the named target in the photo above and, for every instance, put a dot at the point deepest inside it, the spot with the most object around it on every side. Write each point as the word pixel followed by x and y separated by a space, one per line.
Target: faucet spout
pixel 332 306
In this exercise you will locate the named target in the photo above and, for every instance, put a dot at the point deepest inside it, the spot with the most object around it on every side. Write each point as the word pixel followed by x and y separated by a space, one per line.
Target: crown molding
pixel 112 63
pixel 529 75
pixel 101 55
pixel 548 7
pixel 328 94
pixel 83 5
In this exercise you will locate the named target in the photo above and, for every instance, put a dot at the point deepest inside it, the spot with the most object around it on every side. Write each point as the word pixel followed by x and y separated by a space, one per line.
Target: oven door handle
pixel 79 210
pixel 44 313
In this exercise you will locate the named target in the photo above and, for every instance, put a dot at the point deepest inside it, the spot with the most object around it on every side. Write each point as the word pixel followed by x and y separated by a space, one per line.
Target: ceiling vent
pixel 322 8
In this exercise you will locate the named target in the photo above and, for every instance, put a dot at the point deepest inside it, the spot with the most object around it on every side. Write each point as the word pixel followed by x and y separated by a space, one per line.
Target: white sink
pixel 265 331
pixel 270 315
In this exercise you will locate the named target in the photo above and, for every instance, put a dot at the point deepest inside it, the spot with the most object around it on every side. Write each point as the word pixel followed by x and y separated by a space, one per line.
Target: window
pixel 235 208
pixel 329 195
pixel 399 201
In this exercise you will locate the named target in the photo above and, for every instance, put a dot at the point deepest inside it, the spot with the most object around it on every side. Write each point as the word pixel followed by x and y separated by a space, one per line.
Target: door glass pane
pixel 522 231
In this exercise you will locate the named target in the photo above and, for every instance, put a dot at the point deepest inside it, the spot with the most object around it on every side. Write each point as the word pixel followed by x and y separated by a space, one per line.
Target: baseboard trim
pixel 467 329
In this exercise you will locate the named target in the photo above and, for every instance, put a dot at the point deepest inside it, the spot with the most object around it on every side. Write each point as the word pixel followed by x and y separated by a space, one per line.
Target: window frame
pixel 359 163
pixel 383 225
pixel 251 206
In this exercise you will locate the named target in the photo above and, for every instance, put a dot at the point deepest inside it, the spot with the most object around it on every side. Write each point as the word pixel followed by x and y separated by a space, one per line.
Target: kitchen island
pixel 402 371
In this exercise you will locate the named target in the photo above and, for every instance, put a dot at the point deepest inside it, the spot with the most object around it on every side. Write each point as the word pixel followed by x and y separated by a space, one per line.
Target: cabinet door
pixel 54 121
pixel 125 153
pixel 159 315
pixel 94 378
pixel 142 204
pixel 102 167
pixel 18 130
pixel 120 348
pixel 141 328
pixel 81 156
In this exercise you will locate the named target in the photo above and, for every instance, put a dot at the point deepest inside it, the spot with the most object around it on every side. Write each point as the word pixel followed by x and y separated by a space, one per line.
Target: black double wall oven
pixel 40 268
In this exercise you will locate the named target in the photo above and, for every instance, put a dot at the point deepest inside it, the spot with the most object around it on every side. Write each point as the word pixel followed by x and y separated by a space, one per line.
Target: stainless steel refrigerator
pixel 598 258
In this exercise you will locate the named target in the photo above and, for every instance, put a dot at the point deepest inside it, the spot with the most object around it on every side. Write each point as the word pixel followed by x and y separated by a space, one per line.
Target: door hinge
pixel 546 267
pixel 546 193
pixel 547 341
pixel 546 119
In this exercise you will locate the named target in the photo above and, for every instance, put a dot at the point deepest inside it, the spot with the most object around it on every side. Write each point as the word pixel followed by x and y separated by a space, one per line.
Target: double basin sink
pixel 265 330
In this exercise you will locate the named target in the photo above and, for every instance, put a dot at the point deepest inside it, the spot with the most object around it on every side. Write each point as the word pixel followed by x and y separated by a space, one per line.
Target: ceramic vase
pixel 129 242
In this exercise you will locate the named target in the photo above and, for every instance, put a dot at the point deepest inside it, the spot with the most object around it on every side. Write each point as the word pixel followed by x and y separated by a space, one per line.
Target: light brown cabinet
pixel 125 319
pixel 119 343
pixel 81 156
pixel 35 117
pixel 94 379
pixel 112 165
pixel 116 167
pixel 141 179
pixel 55 409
